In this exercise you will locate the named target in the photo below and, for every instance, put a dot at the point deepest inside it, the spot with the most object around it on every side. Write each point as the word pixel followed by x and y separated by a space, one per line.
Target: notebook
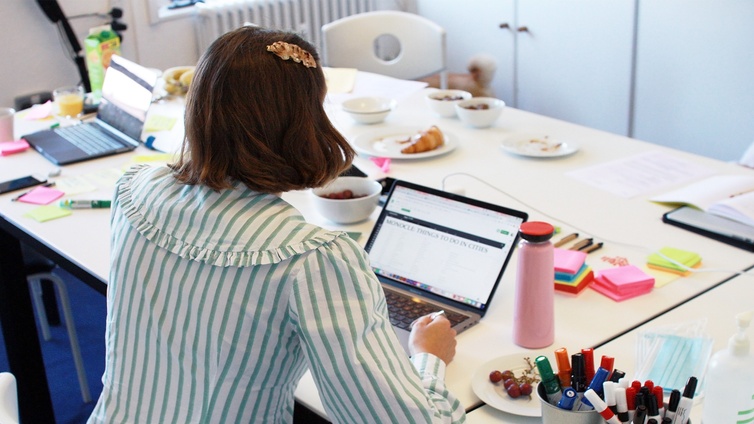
pixel 126 97
pixel 440 251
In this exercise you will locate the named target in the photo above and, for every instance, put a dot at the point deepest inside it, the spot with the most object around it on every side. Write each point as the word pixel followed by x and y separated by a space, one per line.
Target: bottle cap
pixel 739 343
pixel 536 231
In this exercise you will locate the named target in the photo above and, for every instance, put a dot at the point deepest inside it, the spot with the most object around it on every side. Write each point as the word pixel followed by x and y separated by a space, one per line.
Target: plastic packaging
pixel 729 383
pixel 533 308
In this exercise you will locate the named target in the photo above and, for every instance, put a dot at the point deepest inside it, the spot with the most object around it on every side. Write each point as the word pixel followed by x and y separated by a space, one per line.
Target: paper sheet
pixel 640 174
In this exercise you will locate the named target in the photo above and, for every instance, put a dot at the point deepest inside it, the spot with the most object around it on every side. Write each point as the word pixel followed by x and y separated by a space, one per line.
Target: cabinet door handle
pixel 504 25
pixel 523 29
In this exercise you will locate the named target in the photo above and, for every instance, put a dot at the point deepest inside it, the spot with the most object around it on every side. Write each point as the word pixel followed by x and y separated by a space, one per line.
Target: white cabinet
pixel 695 75
pixel 477 27
pixel 568 59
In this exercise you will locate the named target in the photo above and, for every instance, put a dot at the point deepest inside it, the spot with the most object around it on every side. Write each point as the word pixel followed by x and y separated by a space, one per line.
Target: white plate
pixel 538 145
pixel 385 143
pixel 495 396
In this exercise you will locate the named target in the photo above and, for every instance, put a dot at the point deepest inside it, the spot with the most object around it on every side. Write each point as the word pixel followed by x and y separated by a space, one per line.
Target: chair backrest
pixel 350 43
pixel 8 399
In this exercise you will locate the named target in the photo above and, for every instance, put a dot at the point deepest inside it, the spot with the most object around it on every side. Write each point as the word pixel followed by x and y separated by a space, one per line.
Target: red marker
pixel 588 354
pixel 607 362
pixel 631 401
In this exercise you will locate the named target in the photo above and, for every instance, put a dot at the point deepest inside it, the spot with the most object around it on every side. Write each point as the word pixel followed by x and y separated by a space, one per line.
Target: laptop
pixel 437 251
pixel 126 97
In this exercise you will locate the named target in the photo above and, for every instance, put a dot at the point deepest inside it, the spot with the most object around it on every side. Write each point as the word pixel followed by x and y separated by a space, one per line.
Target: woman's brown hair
pixel 258 119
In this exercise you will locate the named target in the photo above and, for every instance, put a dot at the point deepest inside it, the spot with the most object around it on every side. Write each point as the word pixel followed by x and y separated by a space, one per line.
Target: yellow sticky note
pixel 46 213
pixel 159 123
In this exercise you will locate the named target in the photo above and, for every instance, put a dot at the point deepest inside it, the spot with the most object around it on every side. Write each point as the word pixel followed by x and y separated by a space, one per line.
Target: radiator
pixel 305 17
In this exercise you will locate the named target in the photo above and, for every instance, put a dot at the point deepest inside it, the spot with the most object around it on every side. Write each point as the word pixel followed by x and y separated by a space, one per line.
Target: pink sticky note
pixel 41 196
pixel 568 261
pixel 39 111
pixel 624 277
pixel 383 163
pixel 601 286
pixel 10 147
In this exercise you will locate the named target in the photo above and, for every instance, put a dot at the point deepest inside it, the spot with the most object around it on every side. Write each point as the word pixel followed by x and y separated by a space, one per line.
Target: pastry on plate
pixel 424 141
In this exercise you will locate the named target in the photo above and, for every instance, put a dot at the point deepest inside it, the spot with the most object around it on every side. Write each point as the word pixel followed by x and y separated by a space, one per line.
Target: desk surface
pixel 630 227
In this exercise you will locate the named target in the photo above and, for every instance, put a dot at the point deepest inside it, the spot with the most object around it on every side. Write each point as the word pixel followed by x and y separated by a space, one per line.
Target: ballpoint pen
pixel 566 239
pixel 582 244
pixel 591 247
pixel 15 199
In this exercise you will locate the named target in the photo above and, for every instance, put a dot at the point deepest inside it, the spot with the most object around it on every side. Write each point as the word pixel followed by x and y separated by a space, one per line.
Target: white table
pixel 718 307
pixel 80 242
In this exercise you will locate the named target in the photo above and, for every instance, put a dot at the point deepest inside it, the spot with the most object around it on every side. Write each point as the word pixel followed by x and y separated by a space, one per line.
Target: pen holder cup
pixel 551 414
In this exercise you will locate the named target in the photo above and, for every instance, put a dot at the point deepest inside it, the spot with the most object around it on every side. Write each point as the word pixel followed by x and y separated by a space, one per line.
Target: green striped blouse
pixel 219 301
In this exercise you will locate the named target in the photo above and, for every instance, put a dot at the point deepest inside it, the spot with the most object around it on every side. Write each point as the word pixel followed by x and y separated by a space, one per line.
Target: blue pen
pixel 596 384
pixel 568 398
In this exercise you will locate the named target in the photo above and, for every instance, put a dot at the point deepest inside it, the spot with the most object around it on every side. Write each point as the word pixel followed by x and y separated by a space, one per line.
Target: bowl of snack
pixel 479 112
pixel 369 110
pixel 443 102
pixel 347 200
pixel 178 79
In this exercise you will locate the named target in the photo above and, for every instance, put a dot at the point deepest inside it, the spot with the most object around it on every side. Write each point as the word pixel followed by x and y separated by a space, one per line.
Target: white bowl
pixel 443 102
pixel 347 211
pixel 479 118
pixel 369 110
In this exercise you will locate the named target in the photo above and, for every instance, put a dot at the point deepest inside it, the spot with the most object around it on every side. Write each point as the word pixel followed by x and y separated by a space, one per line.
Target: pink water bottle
pixel 533 310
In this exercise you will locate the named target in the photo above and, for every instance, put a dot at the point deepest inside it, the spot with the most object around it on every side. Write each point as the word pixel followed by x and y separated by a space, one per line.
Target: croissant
pixel 425 141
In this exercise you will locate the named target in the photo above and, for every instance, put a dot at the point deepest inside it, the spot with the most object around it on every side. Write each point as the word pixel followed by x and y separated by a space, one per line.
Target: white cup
pixel 6 123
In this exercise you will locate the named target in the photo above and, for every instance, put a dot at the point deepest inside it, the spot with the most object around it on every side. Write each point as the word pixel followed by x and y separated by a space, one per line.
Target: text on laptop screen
pixel 443 246
pixel 126 96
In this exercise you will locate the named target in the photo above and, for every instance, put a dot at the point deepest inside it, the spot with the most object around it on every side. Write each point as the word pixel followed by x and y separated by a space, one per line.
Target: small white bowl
pixel 443 102
pixel 369 110
pixel 347 211
pixel 473 115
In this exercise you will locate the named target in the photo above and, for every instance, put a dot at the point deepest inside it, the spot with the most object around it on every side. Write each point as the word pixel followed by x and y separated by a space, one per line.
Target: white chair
pixel 8 399
pixel 38 268
pixel 350 42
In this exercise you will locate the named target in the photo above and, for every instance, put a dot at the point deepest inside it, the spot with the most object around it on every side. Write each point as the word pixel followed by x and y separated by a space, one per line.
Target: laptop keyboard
pixel 88 139
pixel 404 310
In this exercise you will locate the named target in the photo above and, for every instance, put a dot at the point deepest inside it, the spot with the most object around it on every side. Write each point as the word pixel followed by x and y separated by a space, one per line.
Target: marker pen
pixel 608 390
pixel 659 395
pixel 641 415
pixel 616 375
pixel 649 384
pixel 597 386
pixel 607 362
pixel 578 373
pixel 652 421
pixel 620 404
pixel 601 407
pixel 631 402
pixel 549 380
pixel 686 402
pixel 564 367
pixel 652 411
pixel 675 397
pixel 588 362
pixel 568 398
pixel 667 420
pixel 85 204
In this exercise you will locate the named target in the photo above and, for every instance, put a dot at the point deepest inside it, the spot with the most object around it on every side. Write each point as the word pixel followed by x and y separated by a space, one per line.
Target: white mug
pixel 6 123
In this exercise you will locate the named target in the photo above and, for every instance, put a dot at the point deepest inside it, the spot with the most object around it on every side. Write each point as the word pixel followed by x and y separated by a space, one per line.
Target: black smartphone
pixel 716 227
pixel 20 183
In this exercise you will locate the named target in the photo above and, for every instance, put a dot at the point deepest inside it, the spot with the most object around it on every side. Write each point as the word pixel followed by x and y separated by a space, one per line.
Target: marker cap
pixel 568 399
pixel 690 388
pixel 549 379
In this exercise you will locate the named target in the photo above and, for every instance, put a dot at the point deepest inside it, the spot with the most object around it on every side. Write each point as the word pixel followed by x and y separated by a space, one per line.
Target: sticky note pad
pixel 690 259
pixel 41 196
pixel 623 282
pixel 10 147
pixel 568 261
pixel 46 213
pixel 575 286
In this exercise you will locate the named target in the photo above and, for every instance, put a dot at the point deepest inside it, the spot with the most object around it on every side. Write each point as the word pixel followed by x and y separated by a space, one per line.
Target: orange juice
pixel 71 104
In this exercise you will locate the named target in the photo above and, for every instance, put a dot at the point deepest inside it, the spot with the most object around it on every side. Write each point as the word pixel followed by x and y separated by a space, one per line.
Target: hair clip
pixel 291 51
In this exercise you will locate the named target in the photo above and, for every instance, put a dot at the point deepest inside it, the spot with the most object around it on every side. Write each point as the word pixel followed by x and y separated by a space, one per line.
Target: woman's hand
pixel 432 334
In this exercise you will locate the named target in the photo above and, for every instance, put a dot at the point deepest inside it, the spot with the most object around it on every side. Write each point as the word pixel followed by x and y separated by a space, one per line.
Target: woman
pixel 221 295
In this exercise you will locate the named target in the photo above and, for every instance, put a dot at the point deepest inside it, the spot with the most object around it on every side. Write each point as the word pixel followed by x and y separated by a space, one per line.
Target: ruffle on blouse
pixel 215 257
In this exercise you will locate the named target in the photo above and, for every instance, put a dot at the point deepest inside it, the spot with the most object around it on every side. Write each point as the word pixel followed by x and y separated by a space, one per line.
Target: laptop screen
pixel 126 96
pixel 429 241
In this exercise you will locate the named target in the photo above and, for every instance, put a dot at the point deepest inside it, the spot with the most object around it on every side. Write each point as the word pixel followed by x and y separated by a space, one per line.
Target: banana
pixel 178 79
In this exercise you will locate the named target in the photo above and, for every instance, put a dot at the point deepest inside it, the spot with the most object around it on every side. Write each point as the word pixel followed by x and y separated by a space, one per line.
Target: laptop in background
pixel 434 250
pixel 126 97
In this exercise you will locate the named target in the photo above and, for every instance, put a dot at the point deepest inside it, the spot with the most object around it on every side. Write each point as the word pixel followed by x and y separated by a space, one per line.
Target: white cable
pixel 628 245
